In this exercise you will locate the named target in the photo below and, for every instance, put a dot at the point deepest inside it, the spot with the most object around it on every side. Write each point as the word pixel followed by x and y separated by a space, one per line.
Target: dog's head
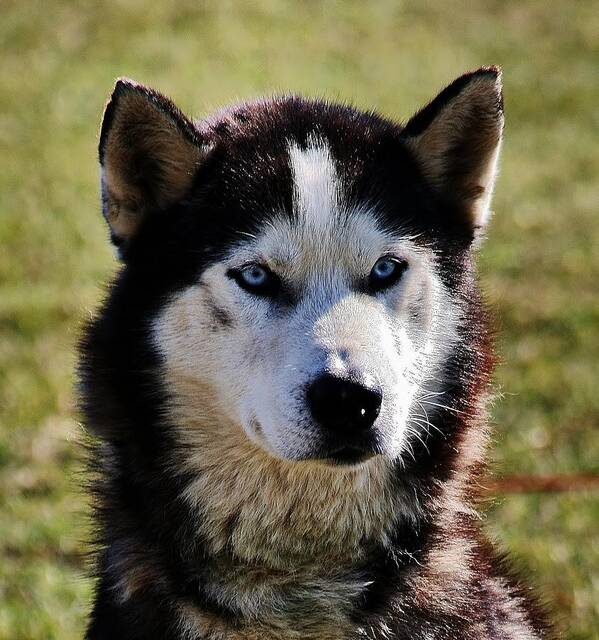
pixel 305 260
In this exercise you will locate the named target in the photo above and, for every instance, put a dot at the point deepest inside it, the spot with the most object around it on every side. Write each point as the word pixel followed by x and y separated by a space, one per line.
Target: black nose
pixel 338 404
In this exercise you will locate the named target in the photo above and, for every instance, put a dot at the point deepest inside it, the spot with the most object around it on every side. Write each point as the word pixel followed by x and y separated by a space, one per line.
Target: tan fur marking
pixel 283 511
pixel 139 132
pixel 470 119
pixel 209 627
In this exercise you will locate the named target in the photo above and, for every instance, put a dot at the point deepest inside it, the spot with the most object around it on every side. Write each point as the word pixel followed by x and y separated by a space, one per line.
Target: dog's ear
pixel 456 140
pixel 149 152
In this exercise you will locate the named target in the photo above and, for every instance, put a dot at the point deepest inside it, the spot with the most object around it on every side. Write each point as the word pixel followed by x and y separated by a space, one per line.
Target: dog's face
pixel 321 249
pixel 331 324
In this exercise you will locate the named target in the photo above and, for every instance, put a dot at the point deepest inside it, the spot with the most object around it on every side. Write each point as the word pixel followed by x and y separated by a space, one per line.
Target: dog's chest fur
pixel 310 604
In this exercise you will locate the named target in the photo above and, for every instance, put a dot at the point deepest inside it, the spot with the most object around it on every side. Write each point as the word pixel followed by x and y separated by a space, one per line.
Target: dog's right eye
pixel 257 279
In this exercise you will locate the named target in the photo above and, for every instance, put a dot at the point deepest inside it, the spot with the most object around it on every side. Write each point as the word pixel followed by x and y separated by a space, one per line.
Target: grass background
pixel 540 267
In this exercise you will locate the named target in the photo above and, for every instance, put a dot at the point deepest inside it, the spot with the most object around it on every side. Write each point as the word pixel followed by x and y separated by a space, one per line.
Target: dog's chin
pixel 347 456
pixel 352 453
pixel 343 455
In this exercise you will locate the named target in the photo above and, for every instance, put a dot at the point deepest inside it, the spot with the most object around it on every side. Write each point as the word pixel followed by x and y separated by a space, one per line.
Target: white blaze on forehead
pixel 316 184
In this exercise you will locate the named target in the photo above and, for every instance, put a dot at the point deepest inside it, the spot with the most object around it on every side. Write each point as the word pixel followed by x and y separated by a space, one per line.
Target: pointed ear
pixel 456 140
pixel 149 152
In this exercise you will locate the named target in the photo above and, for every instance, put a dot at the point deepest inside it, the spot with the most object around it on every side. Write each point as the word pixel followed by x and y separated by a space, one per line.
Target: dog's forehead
pixel 325 230
pixel 311 178
pixel 309 153
pixel 325 226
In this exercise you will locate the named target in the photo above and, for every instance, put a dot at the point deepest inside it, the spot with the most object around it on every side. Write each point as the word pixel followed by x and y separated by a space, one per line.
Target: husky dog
pixel 287 379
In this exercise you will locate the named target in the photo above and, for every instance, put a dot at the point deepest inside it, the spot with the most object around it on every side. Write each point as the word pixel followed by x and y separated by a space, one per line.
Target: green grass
pixel 540 267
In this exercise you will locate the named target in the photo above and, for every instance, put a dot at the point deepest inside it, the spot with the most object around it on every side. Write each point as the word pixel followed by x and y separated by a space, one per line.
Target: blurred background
pixel 540 266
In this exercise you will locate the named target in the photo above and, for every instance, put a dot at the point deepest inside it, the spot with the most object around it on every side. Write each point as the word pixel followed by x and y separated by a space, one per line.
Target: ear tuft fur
pixel 149 152
pixel 456 140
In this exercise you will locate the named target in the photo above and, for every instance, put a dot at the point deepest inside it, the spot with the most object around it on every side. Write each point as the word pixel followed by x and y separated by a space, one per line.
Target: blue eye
pixel 386 272
pixel 254 275
pixel 256 278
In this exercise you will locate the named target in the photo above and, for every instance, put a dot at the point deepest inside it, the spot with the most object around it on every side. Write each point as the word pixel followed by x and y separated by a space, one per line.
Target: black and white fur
pixel 227 506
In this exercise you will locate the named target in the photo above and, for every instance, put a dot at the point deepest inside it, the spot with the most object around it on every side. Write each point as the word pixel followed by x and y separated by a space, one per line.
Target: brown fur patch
pixel 276 511
pixel 459 147
pixel 195 623
pixel 147 154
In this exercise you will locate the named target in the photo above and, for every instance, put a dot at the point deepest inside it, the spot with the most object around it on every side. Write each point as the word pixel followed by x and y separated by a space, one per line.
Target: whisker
pixel 444 406
pixel 422 423
pixel 411 450
pixel 415 433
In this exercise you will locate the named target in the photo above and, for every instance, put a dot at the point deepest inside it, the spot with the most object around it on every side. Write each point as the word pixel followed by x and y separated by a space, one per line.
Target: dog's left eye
pixel 386 272
pixel 256 278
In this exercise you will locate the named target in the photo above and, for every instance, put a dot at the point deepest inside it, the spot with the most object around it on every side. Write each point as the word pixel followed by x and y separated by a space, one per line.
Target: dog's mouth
pixel 348 456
